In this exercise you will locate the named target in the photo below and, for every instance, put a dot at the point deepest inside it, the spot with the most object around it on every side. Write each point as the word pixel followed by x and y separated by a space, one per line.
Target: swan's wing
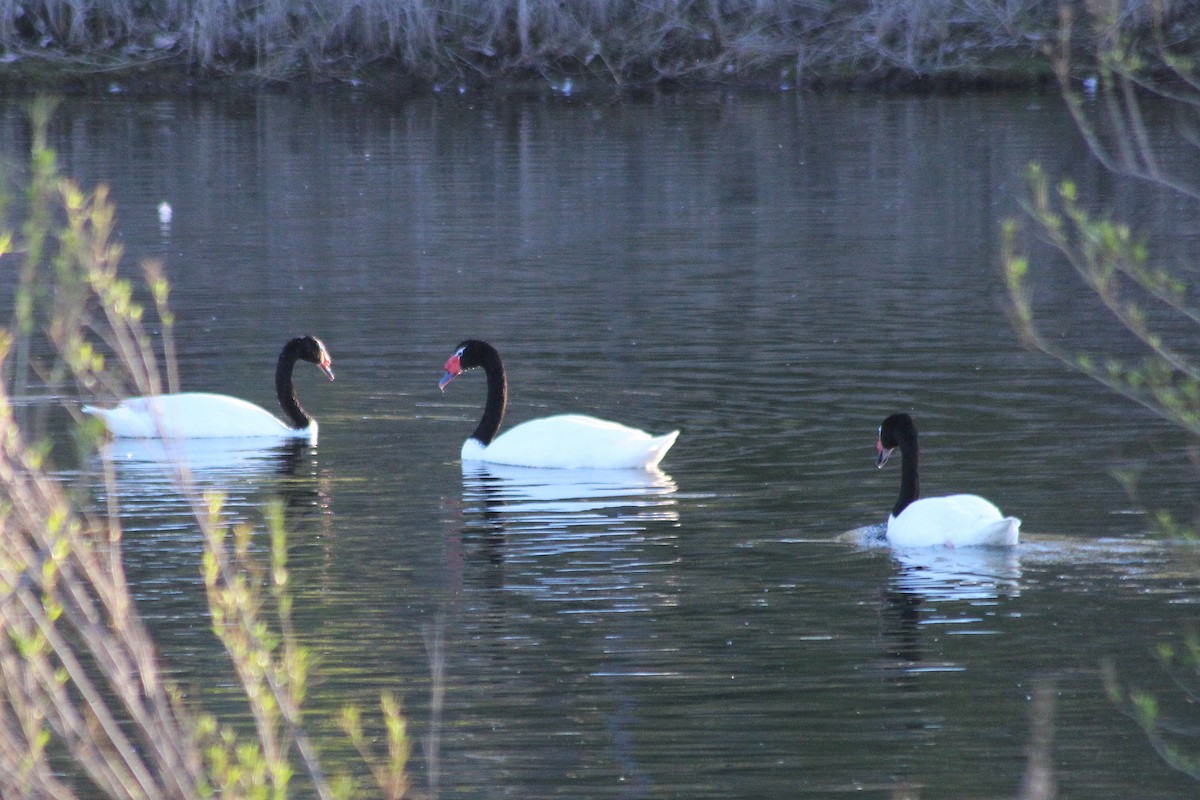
pixel 575 441
pixel 1004 532
pixel 971 507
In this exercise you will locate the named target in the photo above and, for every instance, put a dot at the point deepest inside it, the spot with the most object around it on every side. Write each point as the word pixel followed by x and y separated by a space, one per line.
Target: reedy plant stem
pixel 79 675
pixel 59 563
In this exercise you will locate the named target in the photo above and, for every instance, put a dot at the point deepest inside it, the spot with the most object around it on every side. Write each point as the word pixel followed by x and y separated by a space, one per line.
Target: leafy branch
pixel 1111 261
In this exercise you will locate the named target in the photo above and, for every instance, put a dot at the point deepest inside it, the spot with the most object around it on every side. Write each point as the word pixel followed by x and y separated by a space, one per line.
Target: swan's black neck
pixel 285 389
pixel 497 395
pixel 910 482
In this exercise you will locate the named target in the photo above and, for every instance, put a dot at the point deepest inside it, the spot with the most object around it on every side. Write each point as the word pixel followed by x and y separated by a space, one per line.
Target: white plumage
pixel 958 520
pixel 195 415
pixel 572 441
pixel 565 441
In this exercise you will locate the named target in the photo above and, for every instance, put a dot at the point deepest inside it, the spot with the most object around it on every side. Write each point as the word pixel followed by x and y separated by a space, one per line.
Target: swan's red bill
pixel 884 453
pixel 326 367
pixel 453 370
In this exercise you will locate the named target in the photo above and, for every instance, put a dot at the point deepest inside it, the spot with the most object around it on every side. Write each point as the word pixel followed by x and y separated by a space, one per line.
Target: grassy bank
pixel 623 43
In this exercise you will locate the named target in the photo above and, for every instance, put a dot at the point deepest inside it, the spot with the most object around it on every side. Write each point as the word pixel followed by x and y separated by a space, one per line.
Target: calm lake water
pixel 772 275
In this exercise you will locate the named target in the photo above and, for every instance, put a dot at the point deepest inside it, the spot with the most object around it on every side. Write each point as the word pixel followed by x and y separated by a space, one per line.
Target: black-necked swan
pixel 565 441
pixel 199 415
pixel 959 520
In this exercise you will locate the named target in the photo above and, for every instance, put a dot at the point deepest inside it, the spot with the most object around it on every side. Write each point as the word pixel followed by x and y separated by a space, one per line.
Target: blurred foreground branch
pixel 84 708
pixel 1148 301
pixel 1118 102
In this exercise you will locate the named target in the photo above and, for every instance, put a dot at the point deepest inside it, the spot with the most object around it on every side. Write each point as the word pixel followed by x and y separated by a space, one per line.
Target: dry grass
pixel 625 41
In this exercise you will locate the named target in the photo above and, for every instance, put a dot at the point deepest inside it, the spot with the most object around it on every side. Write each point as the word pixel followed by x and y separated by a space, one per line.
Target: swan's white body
pixel 572 441
pixel 565 441
pixel 196 415
pixel 959 520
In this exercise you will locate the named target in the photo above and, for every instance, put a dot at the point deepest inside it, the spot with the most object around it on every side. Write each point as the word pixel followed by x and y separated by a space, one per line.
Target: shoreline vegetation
pixel 398 46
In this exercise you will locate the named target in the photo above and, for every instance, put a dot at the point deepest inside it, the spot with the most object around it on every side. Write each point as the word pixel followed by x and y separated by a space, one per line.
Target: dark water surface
pixel 771 275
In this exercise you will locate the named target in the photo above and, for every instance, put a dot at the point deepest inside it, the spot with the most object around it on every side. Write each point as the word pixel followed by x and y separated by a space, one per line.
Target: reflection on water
pixel 570 569
pixel 594 537
pixel 529 497
pixel 152 475
pixel 227 459
pixel 945 573
pixel 161 487
pixel 967 573
pixel 956 589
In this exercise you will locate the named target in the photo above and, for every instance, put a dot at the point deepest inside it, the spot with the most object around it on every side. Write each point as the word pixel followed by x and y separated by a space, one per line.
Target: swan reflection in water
pixel 935 593
pixel 945 573
pixel 957 589
pixel 582 535
pixel 162 545
pixel 974 574
pixel 159 483
pixel 941 586
pixel 560 497
pixel 598 551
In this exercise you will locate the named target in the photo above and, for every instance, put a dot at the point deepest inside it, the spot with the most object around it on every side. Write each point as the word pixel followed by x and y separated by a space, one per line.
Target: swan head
pixel 468 355
pixel 312 350
pixel 891 432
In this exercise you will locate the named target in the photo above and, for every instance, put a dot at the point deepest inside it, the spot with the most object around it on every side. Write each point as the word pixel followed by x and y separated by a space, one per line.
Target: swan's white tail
pixel 1001 533
pixel 109 415
pixel 659 446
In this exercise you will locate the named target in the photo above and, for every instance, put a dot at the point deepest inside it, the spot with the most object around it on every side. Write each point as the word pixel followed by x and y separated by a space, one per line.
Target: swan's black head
pixel 312 350
pixel 471 353
pixel 894 430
